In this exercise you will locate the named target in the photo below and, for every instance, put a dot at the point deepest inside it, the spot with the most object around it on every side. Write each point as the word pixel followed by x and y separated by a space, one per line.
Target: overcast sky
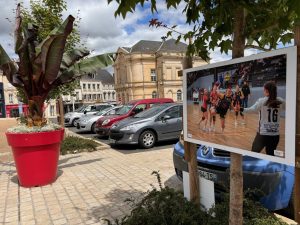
pixel 100 30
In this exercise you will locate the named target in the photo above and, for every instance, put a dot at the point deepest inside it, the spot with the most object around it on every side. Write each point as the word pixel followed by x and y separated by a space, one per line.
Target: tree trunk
pixel 236 165
pixel 36 113
pixel 297 167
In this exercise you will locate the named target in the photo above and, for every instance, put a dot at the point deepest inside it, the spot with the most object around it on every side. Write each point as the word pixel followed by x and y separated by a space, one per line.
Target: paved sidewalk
pixel 90 187
pixel 5 123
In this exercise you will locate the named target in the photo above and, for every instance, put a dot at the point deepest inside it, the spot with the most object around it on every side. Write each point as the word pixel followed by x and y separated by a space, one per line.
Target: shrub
pixel 165 206
pixel 72 145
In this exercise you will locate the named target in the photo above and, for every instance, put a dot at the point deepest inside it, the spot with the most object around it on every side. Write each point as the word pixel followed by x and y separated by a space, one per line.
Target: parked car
pixel 71 118
pixel 88 122
pixel 104 124
pixel 163 122
pixel 275 180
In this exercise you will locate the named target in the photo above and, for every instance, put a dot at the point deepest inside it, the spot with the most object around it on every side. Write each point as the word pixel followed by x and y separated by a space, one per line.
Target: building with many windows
pixel 93 88
pixel 149 69
pixel 13 107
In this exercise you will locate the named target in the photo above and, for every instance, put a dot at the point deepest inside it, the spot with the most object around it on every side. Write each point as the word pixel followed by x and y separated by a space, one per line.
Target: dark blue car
pixel 275 180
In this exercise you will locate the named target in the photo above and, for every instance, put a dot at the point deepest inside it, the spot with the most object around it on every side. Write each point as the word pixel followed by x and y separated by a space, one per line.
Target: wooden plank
pixel 187 152
pixel 193 173
pixel 297 169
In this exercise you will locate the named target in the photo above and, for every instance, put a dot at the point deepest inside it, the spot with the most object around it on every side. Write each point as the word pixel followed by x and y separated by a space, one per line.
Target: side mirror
pixel 84 112
pixel 166 117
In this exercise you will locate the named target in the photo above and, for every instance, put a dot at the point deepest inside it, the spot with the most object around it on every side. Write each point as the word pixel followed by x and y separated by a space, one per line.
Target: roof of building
pixel 127 49
pixel 171 46
pixel 101 76
pixel 146 46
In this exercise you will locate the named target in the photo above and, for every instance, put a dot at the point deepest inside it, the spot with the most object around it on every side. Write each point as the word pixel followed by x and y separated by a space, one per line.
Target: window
pixel 140 108
pixel 77 96
pixel 179 95
pixel 154 104
pixel 90 97
pixel 113 95
pixel 51 110
pixel 153 75
pixel 94 97
pixel 108 95
pixel 98 86
pixel 10 98
pixel 172 112
pixel 154 94
pixel 84 97
pixel 104 95
pixel 89 86
pixel 94 86
pixel 84 86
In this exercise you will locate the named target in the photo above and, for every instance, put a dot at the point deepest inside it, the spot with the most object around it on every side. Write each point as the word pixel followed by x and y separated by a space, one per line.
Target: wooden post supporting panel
pixel 190 155
pixel 297 163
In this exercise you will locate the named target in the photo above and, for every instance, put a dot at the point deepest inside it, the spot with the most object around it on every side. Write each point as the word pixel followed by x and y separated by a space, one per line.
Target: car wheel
pixel 147 139
pixel 74 123
pixel 93 128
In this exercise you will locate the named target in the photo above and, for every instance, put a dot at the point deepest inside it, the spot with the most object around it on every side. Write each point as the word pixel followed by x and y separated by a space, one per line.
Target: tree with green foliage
pixel 46 15
pixel 44 66
pixel 231 25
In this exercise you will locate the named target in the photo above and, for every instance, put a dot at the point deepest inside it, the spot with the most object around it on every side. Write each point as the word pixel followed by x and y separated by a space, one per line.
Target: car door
pixel 169 128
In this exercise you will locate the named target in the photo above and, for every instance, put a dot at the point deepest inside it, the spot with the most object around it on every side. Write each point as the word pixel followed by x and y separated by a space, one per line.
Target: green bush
pixel 72 145
pixel 165 206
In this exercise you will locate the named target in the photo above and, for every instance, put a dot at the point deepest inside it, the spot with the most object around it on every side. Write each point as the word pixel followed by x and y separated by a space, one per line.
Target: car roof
pixel 151 100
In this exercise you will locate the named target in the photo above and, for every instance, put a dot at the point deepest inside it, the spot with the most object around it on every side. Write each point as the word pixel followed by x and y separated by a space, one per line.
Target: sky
pixel 101 31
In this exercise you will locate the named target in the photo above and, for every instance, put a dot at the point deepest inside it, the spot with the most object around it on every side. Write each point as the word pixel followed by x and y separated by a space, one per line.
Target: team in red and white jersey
pixel 269 109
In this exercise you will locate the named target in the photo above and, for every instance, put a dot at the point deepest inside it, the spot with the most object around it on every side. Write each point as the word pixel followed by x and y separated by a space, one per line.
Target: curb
pixel 286 220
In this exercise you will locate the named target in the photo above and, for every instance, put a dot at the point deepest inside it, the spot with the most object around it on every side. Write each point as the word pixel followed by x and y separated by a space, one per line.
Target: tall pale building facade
pixel 149 69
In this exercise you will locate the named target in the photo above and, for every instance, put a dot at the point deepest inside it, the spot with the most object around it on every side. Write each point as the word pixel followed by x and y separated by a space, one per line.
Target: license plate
pixel 208 175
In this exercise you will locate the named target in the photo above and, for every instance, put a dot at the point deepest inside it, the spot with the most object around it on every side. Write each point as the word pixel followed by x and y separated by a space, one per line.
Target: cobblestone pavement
pixel 5 123
pixel 89 187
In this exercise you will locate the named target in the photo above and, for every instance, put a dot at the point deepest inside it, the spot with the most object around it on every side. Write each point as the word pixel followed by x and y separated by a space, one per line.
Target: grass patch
pixel 73 145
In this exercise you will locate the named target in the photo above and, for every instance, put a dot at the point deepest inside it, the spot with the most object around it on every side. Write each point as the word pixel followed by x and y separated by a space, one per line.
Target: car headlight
pixel 105 122
pixel 129 127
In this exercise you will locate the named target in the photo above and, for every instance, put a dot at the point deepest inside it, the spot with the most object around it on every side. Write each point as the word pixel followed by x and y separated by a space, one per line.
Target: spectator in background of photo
pixel 246 92
pixel 237 105
pixel 269 108
pixel 227 78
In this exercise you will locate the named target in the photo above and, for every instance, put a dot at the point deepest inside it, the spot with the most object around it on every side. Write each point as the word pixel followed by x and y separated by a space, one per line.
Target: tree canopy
pixel 266 22
pixel 46 15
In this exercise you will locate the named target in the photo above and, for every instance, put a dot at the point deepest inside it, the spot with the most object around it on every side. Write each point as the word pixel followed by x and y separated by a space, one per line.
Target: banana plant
pixel 44 66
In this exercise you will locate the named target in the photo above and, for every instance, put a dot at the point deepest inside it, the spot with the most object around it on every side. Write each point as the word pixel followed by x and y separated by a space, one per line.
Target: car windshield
pixel 80 109
pixel 124 109
pixel 152 111
pixel 103 111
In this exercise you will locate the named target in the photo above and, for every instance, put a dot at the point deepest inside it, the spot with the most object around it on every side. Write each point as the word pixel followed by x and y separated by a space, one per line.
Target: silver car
pixel 88 122
pixel 71 118
pixel 162 122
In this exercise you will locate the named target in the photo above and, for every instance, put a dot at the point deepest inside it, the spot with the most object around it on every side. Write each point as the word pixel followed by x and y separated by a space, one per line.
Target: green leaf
pixel 85 66
pixel 50 52
pixel 286 38
pixel 71 57
pixel 225 45
pixel 8 67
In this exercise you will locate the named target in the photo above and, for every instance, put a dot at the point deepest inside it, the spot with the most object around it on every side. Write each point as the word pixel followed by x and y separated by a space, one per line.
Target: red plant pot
pixel 36 156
